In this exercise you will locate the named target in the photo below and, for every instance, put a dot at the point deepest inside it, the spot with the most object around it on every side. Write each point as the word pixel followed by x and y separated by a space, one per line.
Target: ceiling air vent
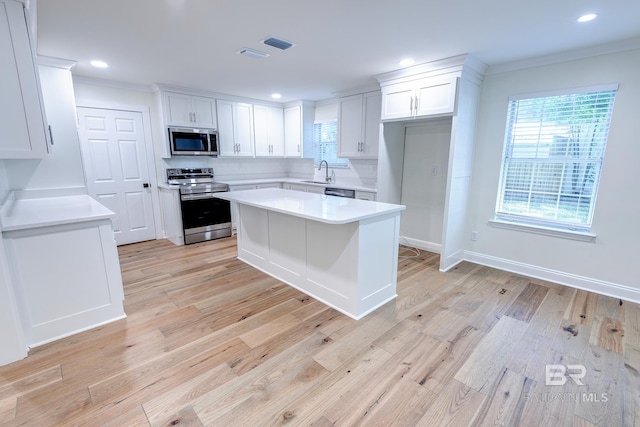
pixel 245 51
pixel 278 43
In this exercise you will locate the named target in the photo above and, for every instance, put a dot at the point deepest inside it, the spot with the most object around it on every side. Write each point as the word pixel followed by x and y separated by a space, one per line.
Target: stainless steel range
pixel 204 217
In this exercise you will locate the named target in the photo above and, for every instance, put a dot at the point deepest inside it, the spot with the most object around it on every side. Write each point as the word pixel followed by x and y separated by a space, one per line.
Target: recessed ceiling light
pixel 276 96
pixel 406 62
pixel 99 64
pixel 588 17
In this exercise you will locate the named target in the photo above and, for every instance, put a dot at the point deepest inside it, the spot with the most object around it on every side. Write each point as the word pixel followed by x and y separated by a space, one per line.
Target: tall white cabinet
pixel 235 128
pixel 22 118
pixel 446 88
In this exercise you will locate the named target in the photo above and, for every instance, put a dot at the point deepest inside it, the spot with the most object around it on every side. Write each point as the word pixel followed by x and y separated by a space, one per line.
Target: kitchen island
pixel 343 252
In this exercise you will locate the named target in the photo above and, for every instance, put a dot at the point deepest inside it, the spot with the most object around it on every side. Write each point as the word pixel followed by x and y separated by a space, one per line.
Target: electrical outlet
pixel 474 235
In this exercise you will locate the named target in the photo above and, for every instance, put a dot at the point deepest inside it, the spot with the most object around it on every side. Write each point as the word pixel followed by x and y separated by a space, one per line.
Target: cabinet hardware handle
pixel 298 148
pixel 194 117
pixel 50 135
pixel 145 185
pixel 416 105
pixel 411 105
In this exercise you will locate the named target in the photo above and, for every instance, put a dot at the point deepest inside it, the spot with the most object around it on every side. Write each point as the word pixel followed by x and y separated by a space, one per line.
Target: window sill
pixel 545 231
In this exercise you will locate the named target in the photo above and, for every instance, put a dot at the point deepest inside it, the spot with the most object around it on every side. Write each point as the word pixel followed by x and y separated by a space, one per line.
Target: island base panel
pixel 351 267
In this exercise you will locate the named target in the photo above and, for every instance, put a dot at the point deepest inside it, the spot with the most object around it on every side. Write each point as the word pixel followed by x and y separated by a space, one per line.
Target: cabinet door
pixel 204 112
pixel 226 137
pixel 293 131
pixel 243 121
pixel 269 131
pixel 178 109
pixel 371 127
pixel 297 187
pixel 22 117
pixel 364 195
pixel 397 101
pixel 436 95
pixel 350 126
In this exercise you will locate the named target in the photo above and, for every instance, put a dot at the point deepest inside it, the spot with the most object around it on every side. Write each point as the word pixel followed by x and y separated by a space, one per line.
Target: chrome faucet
pixel 326 178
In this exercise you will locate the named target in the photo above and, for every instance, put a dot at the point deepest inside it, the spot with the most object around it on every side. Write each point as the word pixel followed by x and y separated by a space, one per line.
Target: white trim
pixel 602 287
pixel 50 61
pixel 569 91
pixel 421 244
pixel 571 55
pixel 111 83
pixel 545 231
pixel 149 145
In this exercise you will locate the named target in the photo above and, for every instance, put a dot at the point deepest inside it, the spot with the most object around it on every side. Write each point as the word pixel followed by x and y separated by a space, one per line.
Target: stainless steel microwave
pixel 193 142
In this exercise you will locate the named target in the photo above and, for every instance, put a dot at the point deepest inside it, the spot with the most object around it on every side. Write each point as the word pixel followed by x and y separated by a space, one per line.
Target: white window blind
pixel 553 152
pixel 325 144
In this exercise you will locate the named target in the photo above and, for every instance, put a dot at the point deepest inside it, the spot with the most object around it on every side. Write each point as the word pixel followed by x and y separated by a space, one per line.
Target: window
pixel 325 146
pixel 553 151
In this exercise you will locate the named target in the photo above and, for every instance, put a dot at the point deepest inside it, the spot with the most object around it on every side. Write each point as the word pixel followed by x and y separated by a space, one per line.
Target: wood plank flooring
pixel 211 341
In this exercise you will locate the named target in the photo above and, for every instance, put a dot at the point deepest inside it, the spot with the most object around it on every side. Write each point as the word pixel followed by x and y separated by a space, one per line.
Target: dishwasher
pixel 340 192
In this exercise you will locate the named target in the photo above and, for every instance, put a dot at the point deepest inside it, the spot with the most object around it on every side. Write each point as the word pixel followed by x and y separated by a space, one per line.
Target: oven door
pixel 204 217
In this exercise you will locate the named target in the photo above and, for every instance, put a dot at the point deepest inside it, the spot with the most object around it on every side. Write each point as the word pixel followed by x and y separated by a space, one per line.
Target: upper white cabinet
pixel 235 128
pixel 269 131
pixel 359 125
pixel 189 111
pixel 298 129
pixel 22 118
pixel 422 97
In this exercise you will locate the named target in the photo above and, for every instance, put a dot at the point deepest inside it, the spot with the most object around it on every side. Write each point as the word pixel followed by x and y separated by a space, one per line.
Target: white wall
pixel 606 265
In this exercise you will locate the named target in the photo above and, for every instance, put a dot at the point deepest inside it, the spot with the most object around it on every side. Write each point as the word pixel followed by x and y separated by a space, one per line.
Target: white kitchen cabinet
pixel 419 98
pixel 171 215
pixel 365 195
pixel 298 129
pixel 318 189
pixel 269 185
pixel 22 117
pixel 269 131
pixel 359 125
pixel 235 129
pixel 64 266
pixel 184 110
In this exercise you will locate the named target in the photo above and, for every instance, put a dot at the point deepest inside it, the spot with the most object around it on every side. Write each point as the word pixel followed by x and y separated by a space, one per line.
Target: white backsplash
pixel 360 173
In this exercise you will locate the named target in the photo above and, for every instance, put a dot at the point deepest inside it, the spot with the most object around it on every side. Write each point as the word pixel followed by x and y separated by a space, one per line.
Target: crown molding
pixel 570 55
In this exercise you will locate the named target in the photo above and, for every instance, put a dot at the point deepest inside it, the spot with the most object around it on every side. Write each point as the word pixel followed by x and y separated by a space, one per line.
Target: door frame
pixel 151 160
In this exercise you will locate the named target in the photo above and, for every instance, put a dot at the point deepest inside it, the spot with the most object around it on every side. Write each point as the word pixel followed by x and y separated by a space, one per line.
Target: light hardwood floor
pixel 211 341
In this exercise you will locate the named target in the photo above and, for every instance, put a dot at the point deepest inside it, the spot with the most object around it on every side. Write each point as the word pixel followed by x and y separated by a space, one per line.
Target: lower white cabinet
pixel 171 215
pixel 66 278
pixel 365 195
pixel 318 189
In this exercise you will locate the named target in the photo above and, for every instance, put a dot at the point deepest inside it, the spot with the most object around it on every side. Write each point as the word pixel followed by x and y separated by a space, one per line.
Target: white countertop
pixel 317 207
pixel 233 182
pixel 20 214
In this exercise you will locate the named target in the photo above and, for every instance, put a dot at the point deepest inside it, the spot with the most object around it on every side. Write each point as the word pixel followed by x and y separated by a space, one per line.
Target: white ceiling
pixel 340 44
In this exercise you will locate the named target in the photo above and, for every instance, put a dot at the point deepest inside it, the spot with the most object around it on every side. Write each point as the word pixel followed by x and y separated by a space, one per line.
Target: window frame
pixel 343 162
pixel 532 223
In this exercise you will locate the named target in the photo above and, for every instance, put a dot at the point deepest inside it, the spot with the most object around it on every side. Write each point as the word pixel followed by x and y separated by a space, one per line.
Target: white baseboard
pixel 421 244
pixel 575 281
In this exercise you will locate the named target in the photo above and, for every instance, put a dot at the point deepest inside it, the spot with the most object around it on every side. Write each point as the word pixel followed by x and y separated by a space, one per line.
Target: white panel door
pixel 115 164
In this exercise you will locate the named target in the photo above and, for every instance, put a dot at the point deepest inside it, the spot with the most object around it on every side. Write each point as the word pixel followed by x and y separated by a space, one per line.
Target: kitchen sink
pixel 316 182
